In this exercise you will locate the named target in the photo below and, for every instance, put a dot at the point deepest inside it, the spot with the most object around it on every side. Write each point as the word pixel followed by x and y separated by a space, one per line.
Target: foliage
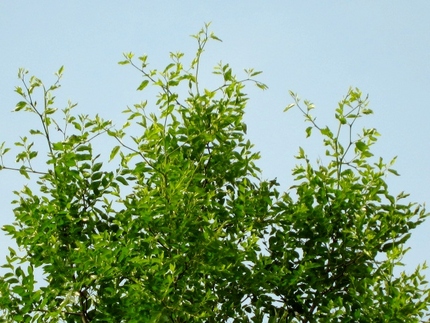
pixel 184 230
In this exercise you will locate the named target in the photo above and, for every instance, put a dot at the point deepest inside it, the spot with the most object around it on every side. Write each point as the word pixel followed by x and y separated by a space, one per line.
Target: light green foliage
pixel 184 230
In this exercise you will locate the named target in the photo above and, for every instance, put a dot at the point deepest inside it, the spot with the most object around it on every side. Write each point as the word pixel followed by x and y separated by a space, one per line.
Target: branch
pixel 27 170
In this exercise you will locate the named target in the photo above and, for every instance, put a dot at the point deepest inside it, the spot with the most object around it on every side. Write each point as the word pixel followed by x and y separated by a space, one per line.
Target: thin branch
pixel 27 170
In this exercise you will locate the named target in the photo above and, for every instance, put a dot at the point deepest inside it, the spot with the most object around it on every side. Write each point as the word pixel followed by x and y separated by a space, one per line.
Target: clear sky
pixel 315 48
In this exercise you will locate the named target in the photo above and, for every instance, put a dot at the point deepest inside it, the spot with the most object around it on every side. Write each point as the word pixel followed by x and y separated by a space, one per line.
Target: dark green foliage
pixel 184 230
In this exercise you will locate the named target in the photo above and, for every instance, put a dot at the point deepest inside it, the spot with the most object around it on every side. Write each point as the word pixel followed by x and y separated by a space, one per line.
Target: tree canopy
pixel 184 229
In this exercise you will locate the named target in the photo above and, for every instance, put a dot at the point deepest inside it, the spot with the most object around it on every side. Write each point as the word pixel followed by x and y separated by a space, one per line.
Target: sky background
pixel 317 49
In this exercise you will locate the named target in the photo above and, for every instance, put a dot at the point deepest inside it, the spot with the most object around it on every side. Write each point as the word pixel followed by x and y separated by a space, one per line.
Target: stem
pixel 27 170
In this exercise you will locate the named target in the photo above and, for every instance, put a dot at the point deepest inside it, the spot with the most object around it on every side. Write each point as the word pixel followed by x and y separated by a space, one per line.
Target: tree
pixel 184 229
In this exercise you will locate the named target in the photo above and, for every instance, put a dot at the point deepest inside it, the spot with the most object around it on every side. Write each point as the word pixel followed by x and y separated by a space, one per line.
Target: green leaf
pixel 96 167
pixel 20 105
pixel 143 85
pixel 24 171
pixel 35 132
pixel 361 146
pixel 261 86
pixel 291 105
pixel 60 71
pixel 49 111
pixel 82 157
pixel 58 146
pixel 327 132
pixel 256 73
pixel 393 171
pixel 10 229
pixel 227 75
pixel 114 152
pixel 212 35
pixel 82 147
pixel 122 180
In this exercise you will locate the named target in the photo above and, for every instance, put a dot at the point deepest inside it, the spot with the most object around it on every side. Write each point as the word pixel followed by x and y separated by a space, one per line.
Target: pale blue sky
pixel 315 48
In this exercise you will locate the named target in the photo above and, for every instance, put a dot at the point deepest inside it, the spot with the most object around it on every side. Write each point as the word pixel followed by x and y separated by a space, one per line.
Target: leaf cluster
pixel 184 229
